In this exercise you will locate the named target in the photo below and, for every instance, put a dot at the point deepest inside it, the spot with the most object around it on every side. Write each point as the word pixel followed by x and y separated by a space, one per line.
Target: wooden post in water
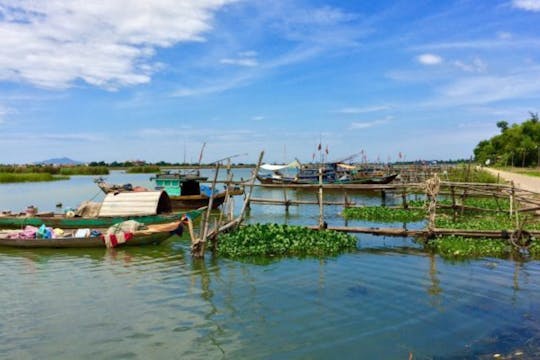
pixel 383 198
pixel 197 249
pixel 432 190
pixel 404 198
pixel 248 195
pixel 286 201
pixel 321 205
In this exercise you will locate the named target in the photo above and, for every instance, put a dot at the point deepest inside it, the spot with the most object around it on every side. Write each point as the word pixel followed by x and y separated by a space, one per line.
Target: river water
pixel 386 300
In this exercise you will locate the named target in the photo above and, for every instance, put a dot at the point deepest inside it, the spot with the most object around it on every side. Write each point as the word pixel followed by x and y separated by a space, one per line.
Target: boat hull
pixel 91 242
pixel 63 222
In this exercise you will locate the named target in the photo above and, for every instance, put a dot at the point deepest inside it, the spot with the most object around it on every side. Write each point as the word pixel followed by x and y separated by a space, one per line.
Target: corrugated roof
pixel 135 203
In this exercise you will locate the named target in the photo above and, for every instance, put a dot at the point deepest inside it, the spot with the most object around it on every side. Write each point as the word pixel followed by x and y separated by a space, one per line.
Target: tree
pixel 503 125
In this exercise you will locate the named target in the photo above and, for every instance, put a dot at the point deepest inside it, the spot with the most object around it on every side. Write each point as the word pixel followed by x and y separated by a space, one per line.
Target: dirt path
pixel 526 182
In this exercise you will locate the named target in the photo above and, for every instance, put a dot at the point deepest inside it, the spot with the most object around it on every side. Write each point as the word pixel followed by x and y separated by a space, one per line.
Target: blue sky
pixel 124 80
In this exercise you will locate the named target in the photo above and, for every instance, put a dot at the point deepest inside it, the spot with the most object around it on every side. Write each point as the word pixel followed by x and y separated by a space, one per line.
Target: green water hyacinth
pixel 283 240
pixel 384 214
pixel 458 247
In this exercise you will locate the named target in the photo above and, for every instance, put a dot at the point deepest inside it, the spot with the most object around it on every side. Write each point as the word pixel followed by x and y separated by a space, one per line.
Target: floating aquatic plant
pixel 283 240
pixel 459 247
pixel 384 214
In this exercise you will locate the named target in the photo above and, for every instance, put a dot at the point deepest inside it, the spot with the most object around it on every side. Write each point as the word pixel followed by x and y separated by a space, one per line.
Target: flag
pixel 400 155
pixel 313 156
pixel 319 147
pixel 326 150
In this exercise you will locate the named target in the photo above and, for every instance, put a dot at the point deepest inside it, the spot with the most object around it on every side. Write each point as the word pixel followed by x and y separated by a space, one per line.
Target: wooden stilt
pixel 321 205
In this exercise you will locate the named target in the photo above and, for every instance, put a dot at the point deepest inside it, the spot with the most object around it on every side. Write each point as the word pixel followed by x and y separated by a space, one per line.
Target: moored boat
pixel 188 192
pixel 152 207
pixel 151 234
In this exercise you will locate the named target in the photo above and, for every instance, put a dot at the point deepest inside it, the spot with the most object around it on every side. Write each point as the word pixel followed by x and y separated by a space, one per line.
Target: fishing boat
pixel 188 192
pixel 332 173
pixel 112 237
pixel 275 174
pixel 150 207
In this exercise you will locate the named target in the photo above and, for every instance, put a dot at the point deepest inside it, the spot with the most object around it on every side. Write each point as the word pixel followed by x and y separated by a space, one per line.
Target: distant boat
pixel 332 173
pixel 152 207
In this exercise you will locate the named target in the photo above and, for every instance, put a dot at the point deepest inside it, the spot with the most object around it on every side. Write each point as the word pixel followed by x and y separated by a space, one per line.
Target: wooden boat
pixel 187 192
pixel 332 173
pixel 375 179
pixel 152 207
pixel 154 234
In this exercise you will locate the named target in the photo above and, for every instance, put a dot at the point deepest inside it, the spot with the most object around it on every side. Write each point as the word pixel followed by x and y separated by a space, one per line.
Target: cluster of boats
pixel 177 199
pixel 332 173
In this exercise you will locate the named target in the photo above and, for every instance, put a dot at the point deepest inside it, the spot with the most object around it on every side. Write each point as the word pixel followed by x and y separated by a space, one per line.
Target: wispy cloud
pixel 529 5
pixel 503 42
pixel 369 124
pixel 476 65
pixel 249 62
pixel 489 89
pixel 106 44
pixel 257 118
pixel 214 87
pixel 429 59
pixel 362 110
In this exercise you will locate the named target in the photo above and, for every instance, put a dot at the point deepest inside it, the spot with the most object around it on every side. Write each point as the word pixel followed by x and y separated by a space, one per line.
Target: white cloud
pixel 477 65
pixel 429 59
pixel 249 62
pixel 361 110
pixel 369 124
pixel 257 118
pixel 529 5
pixel 108 44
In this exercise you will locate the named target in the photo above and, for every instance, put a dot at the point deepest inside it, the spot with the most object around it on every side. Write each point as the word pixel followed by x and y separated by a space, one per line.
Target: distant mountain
pixel 59 161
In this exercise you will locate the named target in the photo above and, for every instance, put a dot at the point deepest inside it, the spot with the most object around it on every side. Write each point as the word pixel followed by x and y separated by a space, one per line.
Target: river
pixel 386 300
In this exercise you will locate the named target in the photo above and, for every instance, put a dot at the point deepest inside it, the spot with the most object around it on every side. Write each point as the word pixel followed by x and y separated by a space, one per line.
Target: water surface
pixel 385 300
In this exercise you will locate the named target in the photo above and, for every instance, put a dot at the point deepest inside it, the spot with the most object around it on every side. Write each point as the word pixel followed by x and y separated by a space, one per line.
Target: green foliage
pixel 384 214
pixel 29 177
pixel 481 203
pixel 146 169
pixel 282 240
pixel 516 145
pixel 458 247
pixel 493 222
pixel 84 170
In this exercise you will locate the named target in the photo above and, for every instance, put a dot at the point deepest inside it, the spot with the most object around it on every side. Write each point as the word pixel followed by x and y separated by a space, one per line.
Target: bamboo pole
pixel 321 205
pixel 298 202
pixel 197 249
pixel 251 182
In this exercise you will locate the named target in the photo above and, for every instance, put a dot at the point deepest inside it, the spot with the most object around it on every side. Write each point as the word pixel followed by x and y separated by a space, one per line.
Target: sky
pixel 155 80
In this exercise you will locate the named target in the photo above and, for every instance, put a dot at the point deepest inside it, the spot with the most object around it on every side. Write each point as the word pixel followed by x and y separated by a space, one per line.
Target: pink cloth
pixel 29 232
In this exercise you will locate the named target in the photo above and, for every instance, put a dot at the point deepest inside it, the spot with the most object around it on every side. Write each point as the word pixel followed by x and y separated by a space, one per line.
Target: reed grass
pixel 147 169
pixel 29 177
pixel 84 170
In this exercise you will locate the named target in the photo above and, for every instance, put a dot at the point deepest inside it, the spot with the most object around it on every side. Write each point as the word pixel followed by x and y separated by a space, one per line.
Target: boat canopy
pixel 346 167
pixel 269 167
pixel 135 203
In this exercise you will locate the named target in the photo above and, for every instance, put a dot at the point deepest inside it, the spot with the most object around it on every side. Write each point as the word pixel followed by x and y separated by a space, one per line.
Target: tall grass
pixel 29 177
pixel 147 169
pixel 84 170
pixel 466 173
